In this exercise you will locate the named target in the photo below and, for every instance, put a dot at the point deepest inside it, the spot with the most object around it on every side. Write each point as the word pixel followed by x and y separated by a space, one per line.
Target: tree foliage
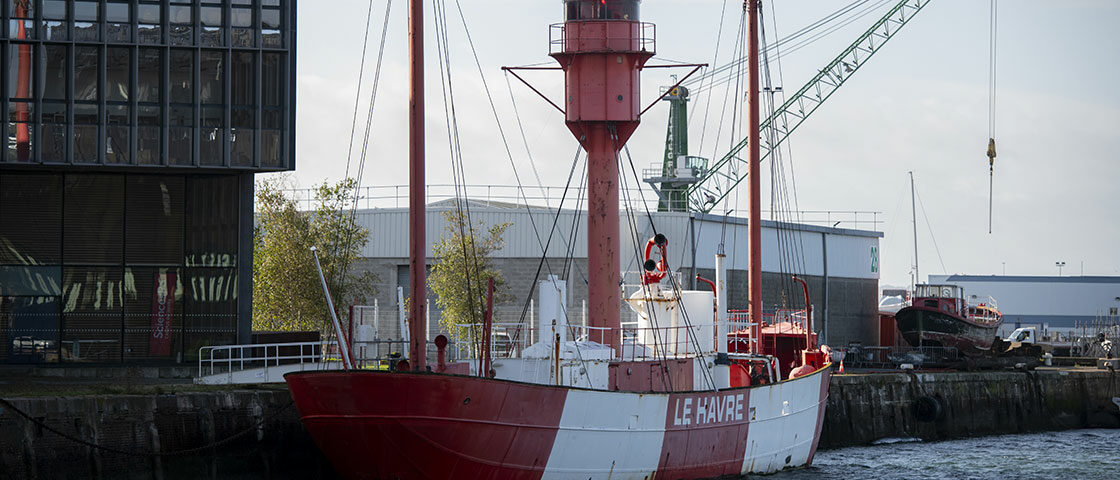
pixel 464 264
pixel 287 293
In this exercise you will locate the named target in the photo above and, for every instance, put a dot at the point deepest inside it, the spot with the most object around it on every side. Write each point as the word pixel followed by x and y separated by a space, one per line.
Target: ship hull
pixel 418 426
pixel 930 327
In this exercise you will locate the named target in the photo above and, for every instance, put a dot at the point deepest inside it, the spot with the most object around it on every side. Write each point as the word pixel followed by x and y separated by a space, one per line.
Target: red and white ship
pixel 666 400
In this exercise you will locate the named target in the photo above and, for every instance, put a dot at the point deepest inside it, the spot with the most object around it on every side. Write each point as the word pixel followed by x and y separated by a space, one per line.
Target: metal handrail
pixel 373 197
pixel 230 360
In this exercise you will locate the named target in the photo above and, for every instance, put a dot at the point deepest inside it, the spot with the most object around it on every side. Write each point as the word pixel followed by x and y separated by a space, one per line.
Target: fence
pixel 396 196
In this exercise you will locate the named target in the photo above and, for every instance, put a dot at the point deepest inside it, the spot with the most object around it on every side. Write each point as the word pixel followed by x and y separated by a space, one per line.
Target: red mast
pixel 754 263
pixel 602 47
pixel 23 86
pixel 418 244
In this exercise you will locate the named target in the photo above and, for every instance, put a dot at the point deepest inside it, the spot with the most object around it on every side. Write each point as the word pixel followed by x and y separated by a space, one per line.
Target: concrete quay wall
pixel 940 406
pixel 256 433
pixel 237 434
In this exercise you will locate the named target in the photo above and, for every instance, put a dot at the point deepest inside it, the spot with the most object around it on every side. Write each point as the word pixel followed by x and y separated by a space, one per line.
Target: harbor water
pixel 1075 454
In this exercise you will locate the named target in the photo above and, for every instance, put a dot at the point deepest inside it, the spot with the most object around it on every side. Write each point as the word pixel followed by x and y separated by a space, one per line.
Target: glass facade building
pixel 134 128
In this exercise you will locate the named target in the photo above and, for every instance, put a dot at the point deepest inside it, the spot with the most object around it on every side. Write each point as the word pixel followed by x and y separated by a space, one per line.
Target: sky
pixel 920 104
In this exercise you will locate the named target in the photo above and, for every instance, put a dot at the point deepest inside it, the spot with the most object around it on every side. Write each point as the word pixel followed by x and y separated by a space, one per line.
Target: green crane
pixel 678 170
pixel 704 193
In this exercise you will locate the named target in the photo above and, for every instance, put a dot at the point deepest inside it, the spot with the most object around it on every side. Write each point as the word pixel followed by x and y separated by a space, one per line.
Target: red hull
pixel 412 425
pixel 411 415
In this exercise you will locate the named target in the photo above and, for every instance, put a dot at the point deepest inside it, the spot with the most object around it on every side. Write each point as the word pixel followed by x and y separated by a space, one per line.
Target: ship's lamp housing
pixel 581 10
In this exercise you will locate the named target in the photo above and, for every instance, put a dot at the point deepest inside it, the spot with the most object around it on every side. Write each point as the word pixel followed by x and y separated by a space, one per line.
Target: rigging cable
pixel 991 108
pixel 348 243
pixel 930 228
pixel 473 267
pixel 501 129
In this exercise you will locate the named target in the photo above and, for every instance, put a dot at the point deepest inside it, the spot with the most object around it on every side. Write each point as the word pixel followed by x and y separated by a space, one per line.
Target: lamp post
pixel 1059 265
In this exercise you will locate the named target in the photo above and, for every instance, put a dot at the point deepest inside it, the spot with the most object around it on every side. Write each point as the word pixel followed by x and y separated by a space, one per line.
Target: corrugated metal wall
pixel 851 253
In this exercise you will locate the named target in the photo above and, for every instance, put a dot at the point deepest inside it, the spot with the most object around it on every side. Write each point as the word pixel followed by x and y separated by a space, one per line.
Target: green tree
pixel 287 293
pixel 464 265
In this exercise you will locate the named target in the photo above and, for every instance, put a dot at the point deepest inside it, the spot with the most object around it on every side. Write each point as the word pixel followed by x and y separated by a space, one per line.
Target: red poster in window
pixel 163 305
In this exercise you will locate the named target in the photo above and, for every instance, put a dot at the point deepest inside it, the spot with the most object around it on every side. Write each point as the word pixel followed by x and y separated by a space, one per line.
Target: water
pixel 1074 454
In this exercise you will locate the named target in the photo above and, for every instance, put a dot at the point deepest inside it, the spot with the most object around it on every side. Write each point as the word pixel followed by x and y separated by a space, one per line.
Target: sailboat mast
pixel 755 235
pixel 914 216
pixel 417 264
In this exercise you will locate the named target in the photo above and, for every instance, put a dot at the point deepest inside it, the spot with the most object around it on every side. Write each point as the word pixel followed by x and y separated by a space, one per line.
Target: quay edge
pixel 946 405
pixel 861 409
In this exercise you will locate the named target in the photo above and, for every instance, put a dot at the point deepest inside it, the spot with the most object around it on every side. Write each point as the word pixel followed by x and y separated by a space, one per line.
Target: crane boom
pixel 705 194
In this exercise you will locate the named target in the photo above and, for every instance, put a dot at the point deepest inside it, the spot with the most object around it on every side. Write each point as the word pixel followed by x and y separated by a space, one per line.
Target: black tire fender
pixel 928 409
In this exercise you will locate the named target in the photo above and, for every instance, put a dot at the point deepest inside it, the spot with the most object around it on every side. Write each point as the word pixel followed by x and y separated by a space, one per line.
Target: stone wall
pixel 267 437
pixel 940 406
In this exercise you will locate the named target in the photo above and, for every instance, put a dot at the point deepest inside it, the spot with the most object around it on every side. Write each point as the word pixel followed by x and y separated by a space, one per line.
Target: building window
pixel 21 109
pixel 148 82
pixel 211 34
pixel 118 21
pixel 271 24
pixel 55 25
pixel 180 19
pixel 22 24
pixel 148 17
pixel 243 108
pixel 86 19
pixel 241 21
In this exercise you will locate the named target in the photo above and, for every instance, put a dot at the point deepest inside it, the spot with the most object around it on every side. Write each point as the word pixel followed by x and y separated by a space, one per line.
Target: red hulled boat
pixel 939 316
pixel 661 402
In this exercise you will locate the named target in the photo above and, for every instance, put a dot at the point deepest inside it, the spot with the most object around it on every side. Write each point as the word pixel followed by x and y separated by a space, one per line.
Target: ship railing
pixel 638 343
pixel 628 36
pixel 377 354
pixel 220 359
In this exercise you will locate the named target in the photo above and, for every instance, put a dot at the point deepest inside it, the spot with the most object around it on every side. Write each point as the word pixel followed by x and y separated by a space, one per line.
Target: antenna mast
pixel 914 215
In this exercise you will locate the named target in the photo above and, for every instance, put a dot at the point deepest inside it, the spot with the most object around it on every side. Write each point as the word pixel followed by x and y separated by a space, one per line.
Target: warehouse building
pixel 134 129
pixel 840 265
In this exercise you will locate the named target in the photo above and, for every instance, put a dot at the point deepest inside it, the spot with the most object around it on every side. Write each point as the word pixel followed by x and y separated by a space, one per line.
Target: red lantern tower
pixel 601 46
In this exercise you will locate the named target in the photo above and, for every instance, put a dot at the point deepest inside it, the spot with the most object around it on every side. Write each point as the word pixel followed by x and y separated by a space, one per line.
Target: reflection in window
pixel 270 28
pixel 270 148
pixel 148 135
pixel 149 66
pixel 54 72
pixel 118 26
pixel 242 32
pixel 22 13
pixel 179 136
pixel 242 79
pixel 117 61
pixel 272 95
pixel 54 24
pixel 181 71
pixel 181 25
pixel 243 98
pixel 85 21
pixel 213 136
pixel 211 83
pixel 211 19
pixel 92 299
pixel 148 19
pixel 52 148
pixel 85 133
pixel 117 134
pixel 85 73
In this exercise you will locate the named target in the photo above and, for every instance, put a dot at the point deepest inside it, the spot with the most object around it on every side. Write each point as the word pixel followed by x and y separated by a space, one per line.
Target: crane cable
pixel 991 108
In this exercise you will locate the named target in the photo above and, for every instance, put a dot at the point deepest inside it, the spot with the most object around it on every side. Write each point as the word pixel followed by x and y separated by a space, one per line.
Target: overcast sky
pixel 919 105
